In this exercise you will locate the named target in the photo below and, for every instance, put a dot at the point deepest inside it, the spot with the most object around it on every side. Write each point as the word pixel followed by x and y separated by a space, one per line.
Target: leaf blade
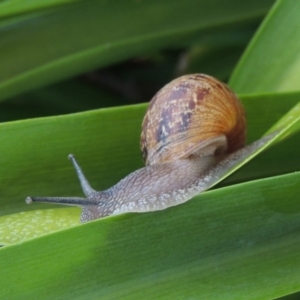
pixel 260 70
pixel 252 239
pixel 27 65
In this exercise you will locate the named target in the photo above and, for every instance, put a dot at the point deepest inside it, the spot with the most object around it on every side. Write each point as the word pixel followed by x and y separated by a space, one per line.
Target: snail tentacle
pixel 73 201
pixel 86 188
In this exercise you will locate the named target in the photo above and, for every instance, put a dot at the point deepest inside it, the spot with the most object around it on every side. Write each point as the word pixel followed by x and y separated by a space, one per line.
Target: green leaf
pixel 49 173
pixel 22 226
pixel 62 98
pixel 272 61
pixel 51 45
pixel 239 242
pixel 9 8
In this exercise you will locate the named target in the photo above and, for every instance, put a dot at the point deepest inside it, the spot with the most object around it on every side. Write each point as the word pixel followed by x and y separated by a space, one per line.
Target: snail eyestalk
pixel 86 188
pixel 74 201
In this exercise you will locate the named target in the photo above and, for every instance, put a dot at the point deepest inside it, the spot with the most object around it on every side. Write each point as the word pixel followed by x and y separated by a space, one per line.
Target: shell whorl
pixel 188 112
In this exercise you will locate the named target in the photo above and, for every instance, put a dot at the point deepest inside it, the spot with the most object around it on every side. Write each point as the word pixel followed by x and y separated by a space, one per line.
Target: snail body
pixel 194 132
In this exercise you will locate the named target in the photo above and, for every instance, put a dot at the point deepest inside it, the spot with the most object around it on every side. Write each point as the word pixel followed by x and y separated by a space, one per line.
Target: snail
pixel 193 133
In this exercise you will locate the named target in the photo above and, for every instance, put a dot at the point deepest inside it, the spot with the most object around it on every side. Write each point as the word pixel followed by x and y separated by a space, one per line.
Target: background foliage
pixel 72 77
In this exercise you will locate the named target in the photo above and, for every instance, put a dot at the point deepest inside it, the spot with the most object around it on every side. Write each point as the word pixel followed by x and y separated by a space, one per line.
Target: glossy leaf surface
pixel 272 61
pixel 241 241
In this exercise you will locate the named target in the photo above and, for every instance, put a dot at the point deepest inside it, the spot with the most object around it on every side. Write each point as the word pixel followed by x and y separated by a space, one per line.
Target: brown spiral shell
pixel 186 113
